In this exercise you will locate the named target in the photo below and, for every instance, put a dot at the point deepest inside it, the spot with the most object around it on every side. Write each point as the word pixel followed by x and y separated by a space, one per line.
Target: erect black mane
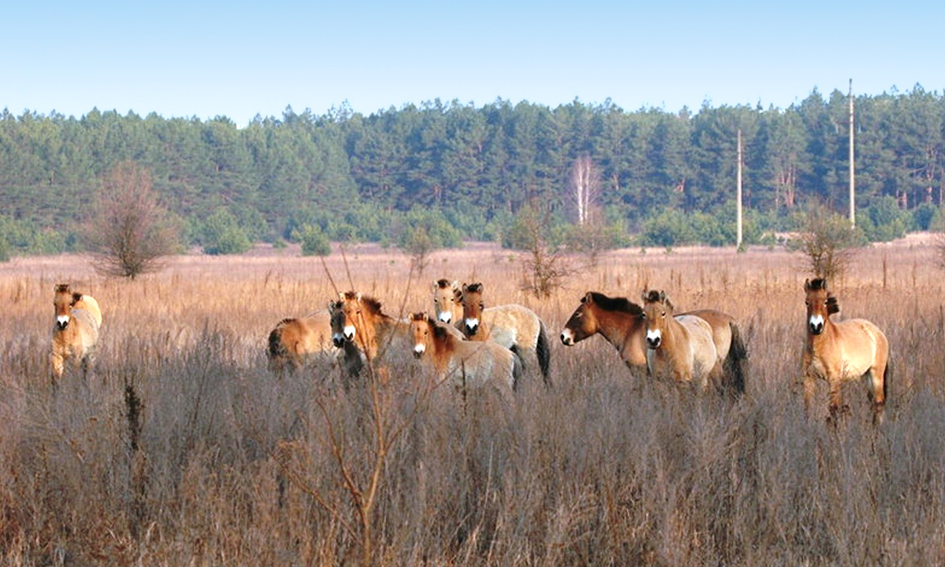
pixel 653 296
pixel 621 304
pixel 817 284
pixel 443 283
pixel 373 305
pixel 474 287
pixel 833 306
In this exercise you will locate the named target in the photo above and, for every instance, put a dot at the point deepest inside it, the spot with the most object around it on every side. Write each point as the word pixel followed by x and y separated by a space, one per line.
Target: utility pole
pixel 738 192
pixel 852 173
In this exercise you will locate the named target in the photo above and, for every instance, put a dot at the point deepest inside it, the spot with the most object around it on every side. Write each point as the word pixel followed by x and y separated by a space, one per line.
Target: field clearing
pixel 181 448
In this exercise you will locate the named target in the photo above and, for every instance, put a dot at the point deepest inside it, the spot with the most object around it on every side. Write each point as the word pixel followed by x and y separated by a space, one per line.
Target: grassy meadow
pixel 180 448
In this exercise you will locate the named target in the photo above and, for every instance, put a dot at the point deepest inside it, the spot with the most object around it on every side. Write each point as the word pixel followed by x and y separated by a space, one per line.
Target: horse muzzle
pixel 349 333
pixel 567 337
pixel 445 317
pixel 816 325
pixel 472 326
pixel 653 339
pixel 338 340
pixel 418 351
pixel 62 322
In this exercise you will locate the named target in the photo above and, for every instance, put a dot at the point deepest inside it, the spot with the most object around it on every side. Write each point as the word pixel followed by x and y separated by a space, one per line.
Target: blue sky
pixel 239 59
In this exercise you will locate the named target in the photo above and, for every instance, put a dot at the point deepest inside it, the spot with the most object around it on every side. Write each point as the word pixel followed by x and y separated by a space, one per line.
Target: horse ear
pixel 588 298
pixel 646 293
pixel 807 284
pixel 824 284
pixel 341 295
pixel 455 284
pixel 662 297
pixel 359 296
pixel 669 304
pixel 464 288
pixel 435 286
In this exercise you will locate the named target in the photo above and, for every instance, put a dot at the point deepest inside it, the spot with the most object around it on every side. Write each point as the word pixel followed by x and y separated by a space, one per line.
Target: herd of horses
pixel 474 346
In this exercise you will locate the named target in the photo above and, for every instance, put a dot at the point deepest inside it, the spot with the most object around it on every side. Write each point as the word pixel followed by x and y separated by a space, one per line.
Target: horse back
pixel 518 318
pixel 721 327
pixel 863 343
pixel 701 342
pixel 89 304
pixel 87 329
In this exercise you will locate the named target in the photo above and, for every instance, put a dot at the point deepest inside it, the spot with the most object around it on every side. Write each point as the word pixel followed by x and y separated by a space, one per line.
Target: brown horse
pixel 514 326
pixel 76 331
pixel 621 323
pixel 294 341
pixel 464 363
pixel 680 347
pixel 838 352
pixel 617 319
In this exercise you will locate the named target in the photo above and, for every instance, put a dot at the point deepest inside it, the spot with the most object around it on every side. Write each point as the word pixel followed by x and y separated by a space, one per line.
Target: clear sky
pixel 239 59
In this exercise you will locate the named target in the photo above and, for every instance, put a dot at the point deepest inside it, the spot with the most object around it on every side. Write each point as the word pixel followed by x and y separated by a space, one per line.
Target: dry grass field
pixel 181 449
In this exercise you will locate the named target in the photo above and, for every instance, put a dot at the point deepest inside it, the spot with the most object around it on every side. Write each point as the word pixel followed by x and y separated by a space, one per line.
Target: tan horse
pixel 617 319
pixel 365 324
pixel 838 352
pixel 680 347
pixel 466 364
pixel 513 326
pixel 76 331
pixel 295 340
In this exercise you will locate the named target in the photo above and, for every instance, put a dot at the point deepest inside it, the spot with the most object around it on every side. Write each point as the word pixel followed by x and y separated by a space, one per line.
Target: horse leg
pixel 837 409
pixel 810 388
pixel 877 393
pixel 57 365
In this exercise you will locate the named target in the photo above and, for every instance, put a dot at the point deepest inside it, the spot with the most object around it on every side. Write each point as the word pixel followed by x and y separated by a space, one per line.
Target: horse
pixel 293 341
pixel 617 319
pixel 514 326
pixel 351 356
pixel 678 346
pixel 621 323
pixel 466 364
pixel 76 330
pixel 842 351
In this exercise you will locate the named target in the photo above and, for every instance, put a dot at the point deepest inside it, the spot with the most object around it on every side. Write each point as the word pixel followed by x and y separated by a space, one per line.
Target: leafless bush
pixel 129 233
pixel 545 266
pixel 828 243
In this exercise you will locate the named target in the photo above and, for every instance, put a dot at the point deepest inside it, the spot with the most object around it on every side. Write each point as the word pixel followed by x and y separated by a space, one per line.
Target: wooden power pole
pixel 738 192
pixel 852 172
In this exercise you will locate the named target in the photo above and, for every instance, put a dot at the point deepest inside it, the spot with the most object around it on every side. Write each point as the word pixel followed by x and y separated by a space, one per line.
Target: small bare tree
pixel 584 188
pixel 545 267
pixel 129 232
pixel 827 242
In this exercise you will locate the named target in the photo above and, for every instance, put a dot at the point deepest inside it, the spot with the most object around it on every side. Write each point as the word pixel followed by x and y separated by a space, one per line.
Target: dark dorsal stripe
pixel 621 304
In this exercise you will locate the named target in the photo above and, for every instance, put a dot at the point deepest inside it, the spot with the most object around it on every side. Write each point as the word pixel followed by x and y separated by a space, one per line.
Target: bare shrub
pixel 828 242
pixel 545 266
pixel 130 232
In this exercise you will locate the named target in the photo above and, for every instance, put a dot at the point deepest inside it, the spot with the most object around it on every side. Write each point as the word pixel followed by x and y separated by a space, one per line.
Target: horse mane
pixel 372 304
pixel 833 306
pixel 621 304
pixel 62 288
pixel 474 287
pixel 439 332
pixel 652 296
pixel 443 283
pixel 817 284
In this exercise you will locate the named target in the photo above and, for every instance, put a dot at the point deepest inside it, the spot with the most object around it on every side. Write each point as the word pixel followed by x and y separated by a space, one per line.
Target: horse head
pixel 656 308
pixel 63 301
pixel 472 307
pixel 821 304
pixel 446 295
pixel 337 315
pixel 583 322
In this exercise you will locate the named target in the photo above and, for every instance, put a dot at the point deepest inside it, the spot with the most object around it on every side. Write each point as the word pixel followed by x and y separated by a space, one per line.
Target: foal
pixel 681 346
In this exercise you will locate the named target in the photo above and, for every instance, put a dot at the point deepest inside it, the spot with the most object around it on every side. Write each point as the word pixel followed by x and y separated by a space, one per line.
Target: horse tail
pixel 518 367
pixel 735 363
pixel 543 352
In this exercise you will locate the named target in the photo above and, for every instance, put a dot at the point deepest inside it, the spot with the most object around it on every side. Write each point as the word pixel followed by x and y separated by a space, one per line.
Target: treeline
pixel 465 172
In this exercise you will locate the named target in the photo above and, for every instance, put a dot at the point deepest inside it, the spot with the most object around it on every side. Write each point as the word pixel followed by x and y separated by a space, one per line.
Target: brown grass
pixel 181 449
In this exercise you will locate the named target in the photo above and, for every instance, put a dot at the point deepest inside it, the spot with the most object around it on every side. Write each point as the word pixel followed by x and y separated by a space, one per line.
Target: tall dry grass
pixel 180 448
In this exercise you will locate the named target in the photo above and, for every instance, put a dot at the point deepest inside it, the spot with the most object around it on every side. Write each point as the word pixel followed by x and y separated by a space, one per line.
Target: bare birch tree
pixel 584 187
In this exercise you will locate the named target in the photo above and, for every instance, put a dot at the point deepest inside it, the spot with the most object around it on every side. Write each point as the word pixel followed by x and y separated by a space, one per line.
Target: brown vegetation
pixel 181 448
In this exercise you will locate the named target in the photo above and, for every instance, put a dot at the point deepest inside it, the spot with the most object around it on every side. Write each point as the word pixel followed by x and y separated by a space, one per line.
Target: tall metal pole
pixel 738 192
pixel 852 171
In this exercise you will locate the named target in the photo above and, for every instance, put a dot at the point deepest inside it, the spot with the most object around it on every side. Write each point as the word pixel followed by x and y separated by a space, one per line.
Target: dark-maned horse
pixel 617 319
pixel 76 330
pixel 503 324
pixel 621 323
pixel 842 351
pixel 679 347
pixel 466 364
